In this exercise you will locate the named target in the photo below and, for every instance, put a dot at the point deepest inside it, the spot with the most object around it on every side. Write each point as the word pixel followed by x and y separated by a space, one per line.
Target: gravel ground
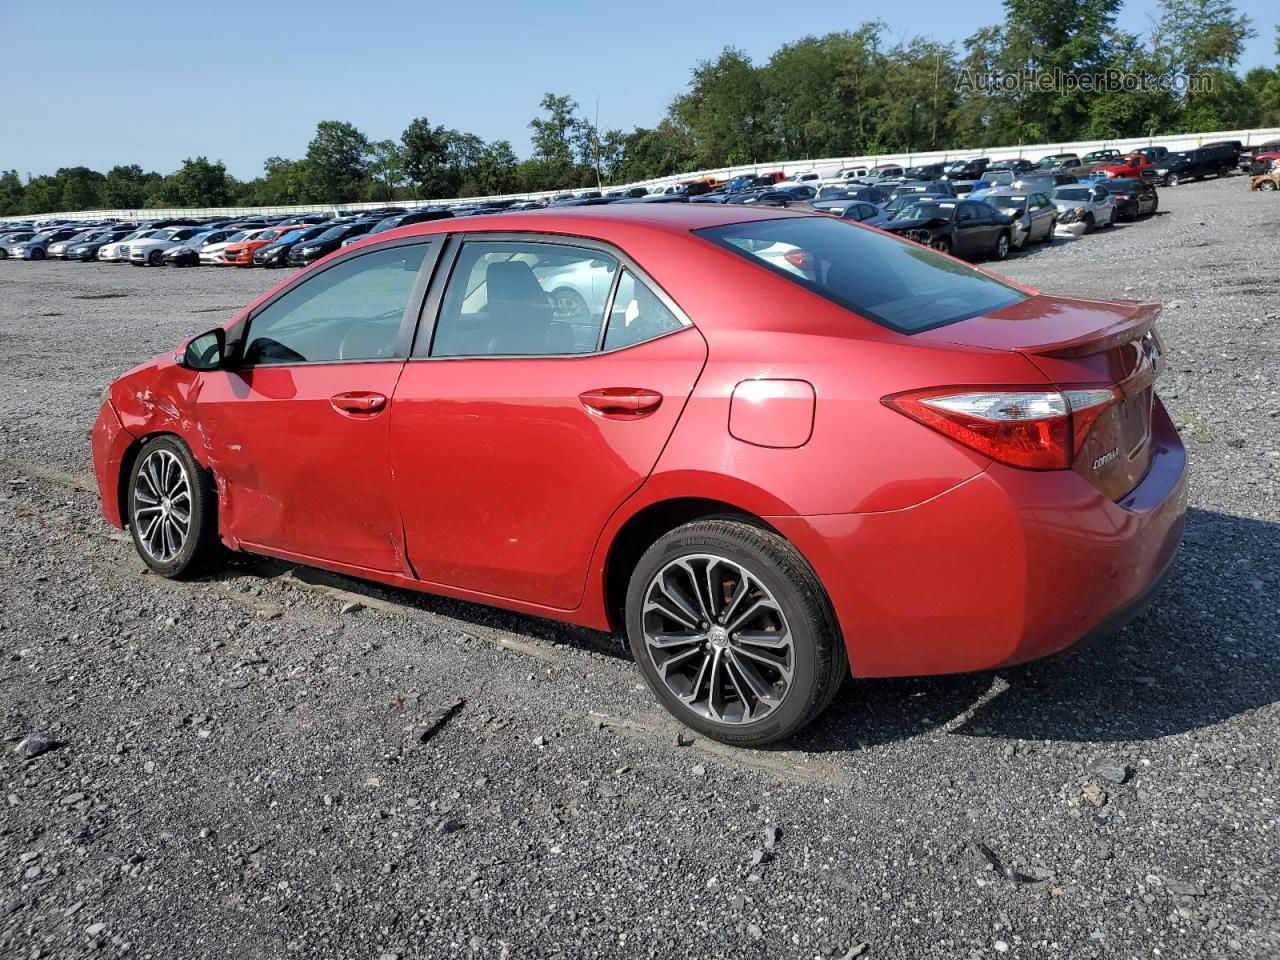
pixel 252 766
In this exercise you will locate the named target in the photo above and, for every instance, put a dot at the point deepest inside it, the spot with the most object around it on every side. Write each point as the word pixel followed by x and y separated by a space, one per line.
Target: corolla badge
pixel 1106 458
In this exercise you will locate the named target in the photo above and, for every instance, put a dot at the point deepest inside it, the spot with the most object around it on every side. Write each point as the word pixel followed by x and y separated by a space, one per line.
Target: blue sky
pixel 99 84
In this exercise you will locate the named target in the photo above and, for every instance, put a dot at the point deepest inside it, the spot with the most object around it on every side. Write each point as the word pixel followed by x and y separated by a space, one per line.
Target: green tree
pixel 125 187
pixel 42 195
pixel 337 170
pixel 426 152
pixel 553 135
pixel 724 111
pixel 81 188
pixel 386 169
pixel 198 183
pixel 11 191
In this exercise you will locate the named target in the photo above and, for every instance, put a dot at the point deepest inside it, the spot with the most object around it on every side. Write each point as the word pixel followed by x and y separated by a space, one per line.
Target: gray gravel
pixel 238 768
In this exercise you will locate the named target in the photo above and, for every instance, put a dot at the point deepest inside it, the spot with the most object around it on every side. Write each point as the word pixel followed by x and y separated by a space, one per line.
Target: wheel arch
pixel 643 528
pixel 130 457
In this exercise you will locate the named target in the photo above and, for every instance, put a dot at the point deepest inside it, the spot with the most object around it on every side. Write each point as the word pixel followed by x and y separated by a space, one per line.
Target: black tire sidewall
pixel 197 548
pixel 806 625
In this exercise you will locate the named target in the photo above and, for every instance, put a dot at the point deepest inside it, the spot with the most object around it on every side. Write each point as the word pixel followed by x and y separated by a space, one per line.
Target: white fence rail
pixel 1185 141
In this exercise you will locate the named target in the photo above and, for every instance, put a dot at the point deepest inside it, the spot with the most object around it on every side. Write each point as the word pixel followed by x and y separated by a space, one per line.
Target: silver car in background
pixel 1082 208
pixel 1034 215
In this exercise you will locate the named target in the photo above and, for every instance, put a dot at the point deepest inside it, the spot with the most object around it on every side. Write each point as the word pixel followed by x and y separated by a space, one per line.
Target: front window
pixel 898 284
pixel 351 311
pixel 1071 194
pixel 930 210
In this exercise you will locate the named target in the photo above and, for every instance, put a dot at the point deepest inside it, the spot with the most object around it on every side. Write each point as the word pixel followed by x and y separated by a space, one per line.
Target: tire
pixel 155 258
pixel 164 476
pixel 1089 225
pixel 569 302
pixel 1267 185
pixel 1112 221
pixel 38 254
pixel 1001 251
pixel 788 601
pixel 942 245
pixel 1172 180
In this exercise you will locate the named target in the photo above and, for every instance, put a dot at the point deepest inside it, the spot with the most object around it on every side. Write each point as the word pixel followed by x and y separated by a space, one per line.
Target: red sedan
pixel 774 448
pixel 241 254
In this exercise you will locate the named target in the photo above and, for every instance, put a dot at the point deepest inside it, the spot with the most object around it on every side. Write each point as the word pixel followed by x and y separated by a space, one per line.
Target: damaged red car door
pixel 299 428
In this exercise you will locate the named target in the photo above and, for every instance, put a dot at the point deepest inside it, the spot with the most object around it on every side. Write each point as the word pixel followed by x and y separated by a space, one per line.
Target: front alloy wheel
pixel 1002 246
pixel 733 632
pixel 171 508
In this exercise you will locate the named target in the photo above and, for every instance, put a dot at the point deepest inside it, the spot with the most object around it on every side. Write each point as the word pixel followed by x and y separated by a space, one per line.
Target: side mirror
pixel 205 352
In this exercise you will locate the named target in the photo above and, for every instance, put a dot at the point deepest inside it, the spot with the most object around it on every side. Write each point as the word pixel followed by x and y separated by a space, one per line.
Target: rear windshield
pixel 896 283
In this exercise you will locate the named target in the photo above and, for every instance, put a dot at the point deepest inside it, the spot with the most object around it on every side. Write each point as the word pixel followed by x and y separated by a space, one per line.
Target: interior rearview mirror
pixel 205 352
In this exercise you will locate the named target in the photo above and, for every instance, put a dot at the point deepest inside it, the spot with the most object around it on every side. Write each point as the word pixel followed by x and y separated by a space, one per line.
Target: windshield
pixel 289 237
pixel 41 237
pixel 333 233
pixel 893 282
pixel 927 211
pixel 1072 194
pixel 957 166
pixel 1011 204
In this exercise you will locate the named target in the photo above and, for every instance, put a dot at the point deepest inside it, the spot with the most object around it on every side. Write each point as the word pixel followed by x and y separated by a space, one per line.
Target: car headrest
pixel 513 281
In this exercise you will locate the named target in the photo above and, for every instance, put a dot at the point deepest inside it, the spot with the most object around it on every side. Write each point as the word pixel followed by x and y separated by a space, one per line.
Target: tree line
pixel 843 94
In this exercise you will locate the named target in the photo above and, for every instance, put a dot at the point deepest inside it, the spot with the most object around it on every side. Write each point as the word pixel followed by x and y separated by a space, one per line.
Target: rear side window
pixel 637 315
pixel 893 282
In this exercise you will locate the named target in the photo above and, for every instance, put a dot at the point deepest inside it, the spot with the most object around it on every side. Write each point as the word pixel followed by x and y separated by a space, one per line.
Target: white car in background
pixel 149 251
pixel 211 254
pixel 1082 208
pixel 118 252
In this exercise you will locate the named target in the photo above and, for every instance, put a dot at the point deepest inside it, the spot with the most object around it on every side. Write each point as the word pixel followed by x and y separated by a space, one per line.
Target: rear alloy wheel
pixel 171 512
pixel 1002 246
pixel 1172 180
pixel 733 632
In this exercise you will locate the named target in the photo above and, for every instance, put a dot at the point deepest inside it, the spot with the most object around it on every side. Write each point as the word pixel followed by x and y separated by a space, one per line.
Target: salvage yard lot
pixel 278 762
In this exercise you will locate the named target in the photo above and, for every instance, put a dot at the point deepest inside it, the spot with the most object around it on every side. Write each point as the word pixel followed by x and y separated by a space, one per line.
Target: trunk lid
pixel 1085 343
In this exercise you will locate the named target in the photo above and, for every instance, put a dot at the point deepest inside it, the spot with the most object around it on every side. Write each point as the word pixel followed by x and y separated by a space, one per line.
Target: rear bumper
pixel 1006 567
pixel 110 442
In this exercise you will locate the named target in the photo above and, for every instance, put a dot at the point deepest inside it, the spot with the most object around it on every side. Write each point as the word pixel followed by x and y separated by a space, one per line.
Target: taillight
pixel 1029 427
pixel 799 258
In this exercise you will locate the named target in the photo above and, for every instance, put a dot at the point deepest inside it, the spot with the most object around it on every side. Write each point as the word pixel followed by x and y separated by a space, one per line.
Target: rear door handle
pixel 621 403
pixel 358 401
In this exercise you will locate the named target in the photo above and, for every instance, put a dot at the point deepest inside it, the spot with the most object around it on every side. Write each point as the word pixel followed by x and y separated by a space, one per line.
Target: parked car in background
pixel 1083 207
pixel 210 254
pixel 1153 153
pixel 149 251
pixel 1132 165
pixel 966 228
pixel 926 171
pixel 1266 182
pixel 859 211
pixel 277 254
pixel 1263 163
pixel 240 253
pixel 938 188
pixel 117 251
pixel 854 191
pixel 1100 156
pixel 325 243
pixel 1058 161
pixel 88 249
pixel 1133 197
pixel 37 246
pixel 1228 150
pixel 886 172
pixel 59 248
pixel 1190 165
pixel 13 238
pixel 1248 154
pixel 966 169
pixel 187 254
pixel 1017 165
pixel 1033 215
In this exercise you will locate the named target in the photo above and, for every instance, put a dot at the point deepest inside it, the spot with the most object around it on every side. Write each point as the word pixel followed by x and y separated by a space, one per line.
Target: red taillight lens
pixel 1029 427
pixel 799 258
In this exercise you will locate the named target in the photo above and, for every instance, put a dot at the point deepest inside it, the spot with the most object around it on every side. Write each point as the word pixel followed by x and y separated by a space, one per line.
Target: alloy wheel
pixel 718 639
pixel 161 505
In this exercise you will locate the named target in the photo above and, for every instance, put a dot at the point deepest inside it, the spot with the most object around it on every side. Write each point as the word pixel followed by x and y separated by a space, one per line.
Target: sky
pixel 96 84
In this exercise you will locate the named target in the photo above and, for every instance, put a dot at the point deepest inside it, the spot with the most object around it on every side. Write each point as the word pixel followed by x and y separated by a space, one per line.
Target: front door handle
pixel 621 403
pixel 358 401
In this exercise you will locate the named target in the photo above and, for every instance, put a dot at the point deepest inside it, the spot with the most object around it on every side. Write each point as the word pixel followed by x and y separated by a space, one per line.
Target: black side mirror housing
pixel 206 352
